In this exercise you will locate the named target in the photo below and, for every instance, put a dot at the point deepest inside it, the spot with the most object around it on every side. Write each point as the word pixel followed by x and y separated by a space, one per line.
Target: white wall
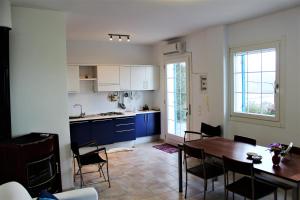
pixel 95 52
pixel 108 52
pixel 38 78
pixel 207 49
pixel 280 25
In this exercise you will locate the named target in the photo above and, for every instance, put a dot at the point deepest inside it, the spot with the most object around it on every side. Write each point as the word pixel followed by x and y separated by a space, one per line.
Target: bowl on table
pixel 251 154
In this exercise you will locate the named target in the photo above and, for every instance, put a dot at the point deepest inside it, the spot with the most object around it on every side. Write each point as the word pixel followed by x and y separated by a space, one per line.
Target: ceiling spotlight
pixel 119 36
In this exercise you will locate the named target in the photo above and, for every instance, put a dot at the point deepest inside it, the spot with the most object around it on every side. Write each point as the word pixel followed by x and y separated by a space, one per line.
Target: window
pixel 255 82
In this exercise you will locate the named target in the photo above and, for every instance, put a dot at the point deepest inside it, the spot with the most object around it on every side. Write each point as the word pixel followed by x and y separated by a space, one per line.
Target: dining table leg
pixel 180 168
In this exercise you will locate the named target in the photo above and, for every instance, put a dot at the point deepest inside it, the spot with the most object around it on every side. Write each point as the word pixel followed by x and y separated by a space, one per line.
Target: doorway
pixel 177 73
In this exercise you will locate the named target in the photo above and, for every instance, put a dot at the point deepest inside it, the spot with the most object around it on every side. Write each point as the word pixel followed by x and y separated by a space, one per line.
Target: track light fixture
pixel 119 36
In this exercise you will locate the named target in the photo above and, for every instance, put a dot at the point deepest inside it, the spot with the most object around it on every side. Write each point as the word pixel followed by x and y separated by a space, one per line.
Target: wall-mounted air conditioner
pixel 172 48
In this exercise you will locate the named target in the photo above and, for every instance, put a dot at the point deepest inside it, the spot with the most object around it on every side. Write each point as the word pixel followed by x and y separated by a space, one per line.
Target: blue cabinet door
pixel 141 125
pixel 80 132
pixel 102 131
pixel 153 124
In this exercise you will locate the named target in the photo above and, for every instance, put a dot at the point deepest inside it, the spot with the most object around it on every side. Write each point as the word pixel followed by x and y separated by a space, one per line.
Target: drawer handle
pixel 81 122
pixel 102 120
pixel 125 118
pixel 125 130
pixel 124 124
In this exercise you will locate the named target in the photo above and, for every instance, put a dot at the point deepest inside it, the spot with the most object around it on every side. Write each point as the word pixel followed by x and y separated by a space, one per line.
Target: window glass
pixel 254 80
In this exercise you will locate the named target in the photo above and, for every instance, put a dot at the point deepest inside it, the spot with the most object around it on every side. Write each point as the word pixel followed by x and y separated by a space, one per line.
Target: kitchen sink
pixel 75 117
pixel 111 113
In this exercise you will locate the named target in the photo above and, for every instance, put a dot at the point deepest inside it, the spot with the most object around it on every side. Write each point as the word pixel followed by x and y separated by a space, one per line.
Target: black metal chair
pixel 89 158
pixel 238 138
pixel 205 131
pixel 205 170
pixel 247 186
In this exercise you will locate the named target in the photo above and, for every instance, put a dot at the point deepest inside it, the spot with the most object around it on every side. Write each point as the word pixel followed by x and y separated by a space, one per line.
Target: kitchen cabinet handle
pixel 125 118
pixel 102 120
pixel 125 130
pixel 80 122
pixel 124 124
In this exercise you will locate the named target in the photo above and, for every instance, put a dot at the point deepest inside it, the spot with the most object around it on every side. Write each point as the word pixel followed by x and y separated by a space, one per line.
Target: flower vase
pixel 276 159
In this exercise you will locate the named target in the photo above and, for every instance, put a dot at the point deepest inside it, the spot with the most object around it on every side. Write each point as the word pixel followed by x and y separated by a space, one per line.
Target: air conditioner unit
pixel 173 48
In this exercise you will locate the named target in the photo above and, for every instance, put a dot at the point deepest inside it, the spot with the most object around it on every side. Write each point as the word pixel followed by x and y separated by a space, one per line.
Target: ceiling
pixel 150 21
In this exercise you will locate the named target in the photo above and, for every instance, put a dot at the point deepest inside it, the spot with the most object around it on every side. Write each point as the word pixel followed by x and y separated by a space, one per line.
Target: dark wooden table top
pixel 216 146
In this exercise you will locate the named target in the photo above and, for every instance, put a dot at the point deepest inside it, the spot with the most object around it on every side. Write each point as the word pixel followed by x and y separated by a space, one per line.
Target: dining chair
pixel 204 170
pixel 206 130
pixel 90 158
pixel 238 138
pixel 246 140
pixel 247 186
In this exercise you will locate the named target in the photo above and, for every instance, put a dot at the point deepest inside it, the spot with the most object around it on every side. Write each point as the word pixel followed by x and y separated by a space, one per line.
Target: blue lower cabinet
pixel 80 132
pixel 108 131
pixel 140 125
pixel 124 129
pixel 102 131
pixel 153 124
pixel 147 124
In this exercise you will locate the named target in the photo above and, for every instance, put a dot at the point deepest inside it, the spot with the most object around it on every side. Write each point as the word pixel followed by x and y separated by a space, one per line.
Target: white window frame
pixel 257 118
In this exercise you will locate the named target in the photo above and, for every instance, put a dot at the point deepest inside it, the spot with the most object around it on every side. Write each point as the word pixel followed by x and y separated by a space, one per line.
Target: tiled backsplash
pixel 93 103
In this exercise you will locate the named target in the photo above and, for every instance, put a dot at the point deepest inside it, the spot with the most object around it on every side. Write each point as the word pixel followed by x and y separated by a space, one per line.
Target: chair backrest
pixel 210 130
pixel 193 152
pixel 238 138
pixel 240 167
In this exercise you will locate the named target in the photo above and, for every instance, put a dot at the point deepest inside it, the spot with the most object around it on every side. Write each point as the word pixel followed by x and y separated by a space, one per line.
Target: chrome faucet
pixel 79 105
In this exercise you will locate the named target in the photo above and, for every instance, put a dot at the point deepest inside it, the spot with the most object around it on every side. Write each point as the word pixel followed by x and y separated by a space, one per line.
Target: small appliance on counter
pixel 145 107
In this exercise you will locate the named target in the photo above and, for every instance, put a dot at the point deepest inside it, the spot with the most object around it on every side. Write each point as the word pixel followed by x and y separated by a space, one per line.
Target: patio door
pixel 177 97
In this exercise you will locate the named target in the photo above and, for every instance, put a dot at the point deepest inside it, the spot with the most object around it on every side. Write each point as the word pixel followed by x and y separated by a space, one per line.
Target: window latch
pixel 276 89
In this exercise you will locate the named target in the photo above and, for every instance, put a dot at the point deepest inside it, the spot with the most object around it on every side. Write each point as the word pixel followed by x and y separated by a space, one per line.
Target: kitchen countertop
pixel 126 114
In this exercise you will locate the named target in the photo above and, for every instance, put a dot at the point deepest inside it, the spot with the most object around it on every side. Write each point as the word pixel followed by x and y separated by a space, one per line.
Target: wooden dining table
pixel 289 168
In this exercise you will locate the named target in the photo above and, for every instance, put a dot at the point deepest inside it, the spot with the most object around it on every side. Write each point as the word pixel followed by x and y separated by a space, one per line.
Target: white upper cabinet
pixel 144 77
pixel 125 78
pixel 73 79
pixel 138 81
pixel 152 78
pixel 108 78
pixel 113 77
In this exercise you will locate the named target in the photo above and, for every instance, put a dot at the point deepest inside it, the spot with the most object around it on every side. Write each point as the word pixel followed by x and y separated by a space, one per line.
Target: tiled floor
pixel 148 174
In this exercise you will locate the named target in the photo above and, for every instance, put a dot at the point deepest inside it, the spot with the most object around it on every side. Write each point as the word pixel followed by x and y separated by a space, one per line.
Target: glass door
pixel 177 98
